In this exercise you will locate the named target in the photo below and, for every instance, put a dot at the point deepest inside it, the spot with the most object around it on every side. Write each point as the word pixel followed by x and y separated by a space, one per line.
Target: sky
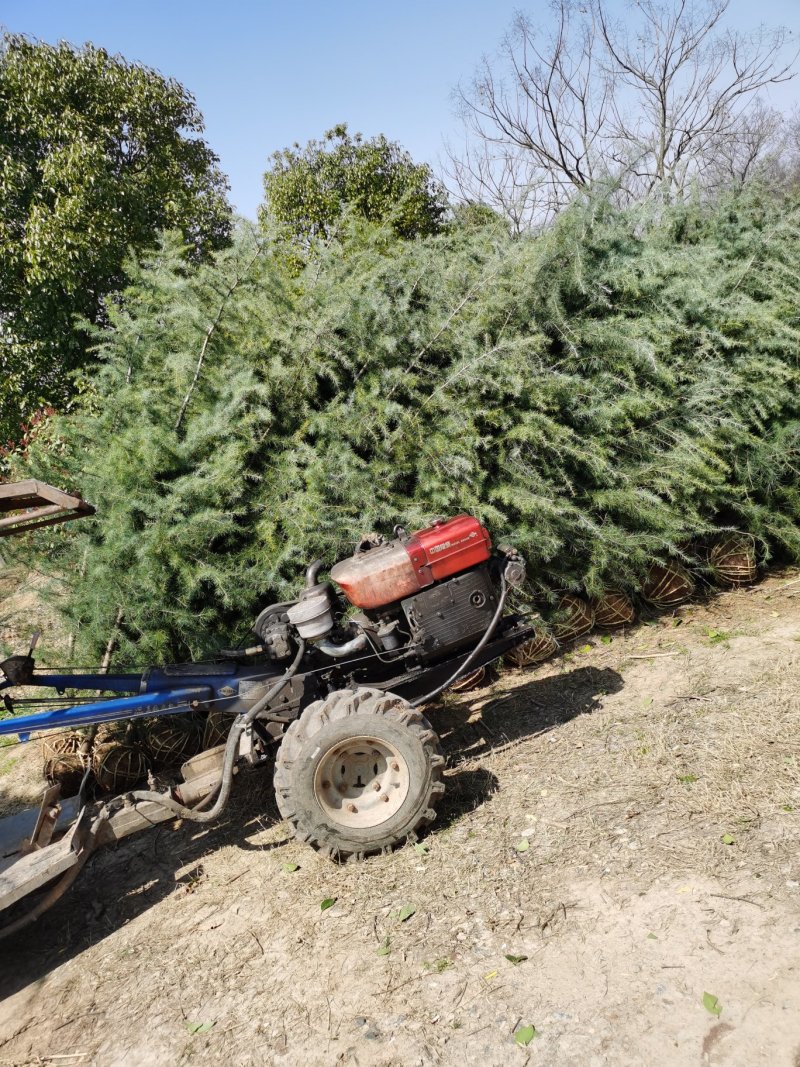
pixel 271 73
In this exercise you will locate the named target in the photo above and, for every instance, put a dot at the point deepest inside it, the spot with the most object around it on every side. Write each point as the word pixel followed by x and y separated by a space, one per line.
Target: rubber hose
pixel 240 724
pixel 471 657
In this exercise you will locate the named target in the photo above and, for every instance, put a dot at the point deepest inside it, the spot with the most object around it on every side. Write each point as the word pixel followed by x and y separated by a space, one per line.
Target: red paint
pixel 446 548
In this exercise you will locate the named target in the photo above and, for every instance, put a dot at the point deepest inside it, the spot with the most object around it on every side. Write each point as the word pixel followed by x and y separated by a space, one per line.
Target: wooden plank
pixel 11 492
pixel 15 496
pixel 36 869
pixel 14 829
pixel 130 819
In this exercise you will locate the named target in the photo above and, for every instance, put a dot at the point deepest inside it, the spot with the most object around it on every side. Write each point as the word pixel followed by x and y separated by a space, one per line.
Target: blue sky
pixel 267 74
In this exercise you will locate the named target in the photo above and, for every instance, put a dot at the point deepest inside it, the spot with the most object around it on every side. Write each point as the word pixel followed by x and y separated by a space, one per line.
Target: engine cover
pixel 452 613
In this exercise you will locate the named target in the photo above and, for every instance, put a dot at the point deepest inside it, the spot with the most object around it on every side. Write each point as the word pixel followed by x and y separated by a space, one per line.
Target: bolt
pixel 384 798
pixel 353 809
pixel 376 786
pixel 395 766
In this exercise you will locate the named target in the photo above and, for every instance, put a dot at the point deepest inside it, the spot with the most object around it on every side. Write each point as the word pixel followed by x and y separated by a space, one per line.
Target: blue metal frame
pixel 156 691
pixel 168 702
pixel 109 683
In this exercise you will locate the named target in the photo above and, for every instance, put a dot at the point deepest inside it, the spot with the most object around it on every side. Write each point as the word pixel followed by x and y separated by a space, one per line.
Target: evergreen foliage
pixel 600 395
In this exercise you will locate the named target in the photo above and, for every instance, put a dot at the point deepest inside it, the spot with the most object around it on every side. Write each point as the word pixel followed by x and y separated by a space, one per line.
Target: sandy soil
pixel 622 823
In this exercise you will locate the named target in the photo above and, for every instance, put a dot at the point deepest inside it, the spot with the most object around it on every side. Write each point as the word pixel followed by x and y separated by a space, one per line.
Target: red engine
pixel 389 572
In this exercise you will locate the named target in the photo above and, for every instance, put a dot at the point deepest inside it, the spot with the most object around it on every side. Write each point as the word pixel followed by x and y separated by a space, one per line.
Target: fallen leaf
pixel 652 937
pixel 516 959
pixel 199 1028
pixel 406 912
pixel 384 950
pixel 585 648
pixel 523 845
pixel 328 902
pixel 488 977
pixel 606 639
pixel 728 840
pixel 525 1035
pixel 710 1003
pixel 290 868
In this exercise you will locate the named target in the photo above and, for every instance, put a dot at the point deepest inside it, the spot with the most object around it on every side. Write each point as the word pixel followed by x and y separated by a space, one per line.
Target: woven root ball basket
pixel 172 740
pixel 119 766
pixel 667 585
pixel 64 761
pixel 733 559
pixel 471 680
pixel 215 729
pixel 573 617
pixel 536 650
pixel 614 608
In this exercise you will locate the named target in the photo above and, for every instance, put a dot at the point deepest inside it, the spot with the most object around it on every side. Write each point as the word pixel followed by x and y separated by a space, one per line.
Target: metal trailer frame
pixel 37 504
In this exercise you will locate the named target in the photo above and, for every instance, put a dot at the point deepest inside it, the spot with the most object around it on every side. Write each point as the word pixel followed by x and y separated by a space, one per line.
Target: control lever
pixel 18 670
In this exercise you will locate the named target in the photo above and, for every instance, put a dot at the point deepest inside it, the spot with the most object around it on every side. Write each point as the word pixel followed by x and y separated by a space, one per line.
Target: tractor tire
pixel 358 772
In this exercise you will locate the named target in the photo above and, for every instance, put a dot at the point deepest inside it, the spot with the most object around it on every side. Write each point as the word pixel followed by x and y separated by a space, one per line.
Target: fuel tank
pixel 397 569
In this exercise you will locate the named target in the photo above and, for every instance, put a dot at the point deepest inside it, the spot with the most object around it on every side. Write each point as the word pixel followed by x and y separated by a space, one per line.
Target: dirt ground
pixel 615 865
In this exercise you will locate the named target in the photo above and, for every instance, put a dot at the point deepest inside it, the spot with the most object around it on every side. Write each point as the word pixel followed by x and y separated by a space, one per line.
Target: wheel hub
pixel 361 782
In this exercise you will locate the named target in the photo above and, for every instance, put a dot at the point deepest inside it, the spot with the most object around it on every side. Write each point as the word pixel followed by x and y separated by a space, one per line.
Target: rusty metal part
pixel 201 776
pixel 37 504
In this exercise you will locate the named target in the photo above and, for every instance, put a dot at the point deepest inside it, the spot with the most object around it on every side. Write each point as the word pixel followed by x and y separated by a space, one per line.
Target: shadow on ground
pixel 120 884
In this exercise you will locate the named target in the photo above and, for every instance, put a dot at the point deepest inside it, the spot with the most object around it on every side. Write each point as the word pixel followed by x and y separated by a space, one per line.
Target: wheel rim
pixel 361 782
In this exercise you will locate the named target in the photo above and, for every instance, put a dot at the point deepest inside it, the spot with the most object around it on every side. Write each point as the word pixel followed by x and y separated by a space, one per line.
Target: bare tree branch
pixel 649 105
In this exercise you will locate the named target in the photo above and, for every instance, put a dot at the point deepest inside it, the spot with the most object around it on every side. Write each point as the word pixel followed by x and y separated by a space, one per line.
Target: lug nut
pixel 353 809
pixel 395 766
pixel 376 786
pixel 384 798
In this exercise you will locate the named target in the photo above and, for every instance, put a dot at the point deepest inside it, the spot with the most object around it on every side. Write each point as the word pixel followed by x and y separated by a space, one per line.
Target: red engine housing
pixel 398 569
pixel 445 548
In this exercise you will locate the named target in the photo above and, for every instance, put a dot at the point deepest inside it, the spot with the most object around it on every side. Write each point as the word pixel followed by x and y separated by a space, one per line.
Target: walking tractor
pixel 333 685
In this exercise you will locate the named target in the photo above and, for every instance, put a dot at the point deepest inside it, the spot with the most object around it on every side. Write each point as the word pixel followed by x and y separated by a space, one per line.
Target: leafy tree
pixel 97 155
pixel 308 189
